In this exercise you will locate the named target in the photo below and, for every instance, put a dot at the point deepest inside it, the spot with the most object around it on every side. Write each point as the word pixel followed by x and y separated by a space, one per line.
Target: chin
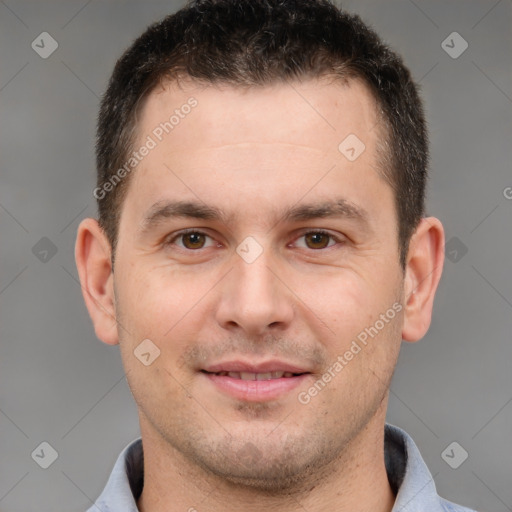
pixel 269 469
pixel 271 479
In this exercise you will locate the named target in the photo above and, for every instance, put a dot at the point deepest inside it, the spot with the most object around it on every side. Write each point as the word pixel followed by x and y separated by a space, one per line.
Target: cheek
pixel 364 315
pixel 347 301
pixel 150 306
pixel 164 311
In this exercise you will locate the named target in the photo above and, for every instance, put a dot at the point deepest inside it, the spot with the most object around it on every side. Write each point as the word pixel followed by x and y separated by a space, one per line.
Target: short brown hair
pixel 256 43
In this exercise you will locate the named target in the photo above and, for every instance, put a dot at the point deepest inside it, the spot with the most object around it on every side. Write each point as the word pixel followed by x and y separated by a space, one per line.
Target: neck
pixel 357 481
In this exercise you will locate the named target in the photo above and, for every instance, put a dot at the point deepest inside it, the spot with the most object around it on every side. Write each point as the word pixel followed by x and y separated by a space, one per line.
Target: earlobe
pixel 424 267
pixel 93 261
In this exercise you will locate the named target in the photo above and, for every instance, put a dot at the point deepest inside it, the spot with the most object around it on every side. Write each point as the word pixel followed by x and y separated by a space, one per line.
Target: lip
pixel 263 367
pixel 255 390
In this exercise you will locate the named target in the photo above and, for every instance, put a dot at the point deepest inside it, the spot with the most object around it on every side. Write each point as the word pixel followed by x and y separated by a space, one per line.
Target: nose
pixel 255 298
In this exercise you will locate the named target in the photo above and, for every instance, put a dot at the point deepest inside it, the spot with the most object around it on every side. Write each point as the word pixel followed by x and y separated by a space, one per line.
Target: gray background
pixel 59 384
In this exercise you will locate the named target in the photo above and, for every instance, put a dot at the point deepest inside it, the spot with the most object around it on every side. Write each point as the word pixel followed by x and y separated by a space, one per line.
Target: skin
pixel 254 153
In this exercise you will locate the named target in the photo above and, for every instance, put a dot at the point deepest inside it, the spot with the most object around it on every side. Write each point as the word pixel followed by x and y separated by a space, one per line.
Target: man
pixel 260 254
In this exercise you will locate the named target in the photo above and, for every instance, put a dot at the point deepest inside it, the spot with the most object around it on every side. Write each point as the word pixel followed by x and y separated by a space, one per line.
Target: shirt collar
pixel 408 476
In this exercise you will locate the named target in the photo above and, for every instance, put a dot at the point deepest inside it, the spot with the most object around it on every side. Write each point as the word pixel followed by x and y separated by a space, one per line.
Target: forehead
pixel 275 143
pixel 316 113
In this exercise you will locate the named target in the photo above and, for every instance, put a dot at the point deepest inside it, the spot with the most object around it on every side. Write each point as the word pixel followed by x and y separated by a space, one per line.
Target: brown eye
pixel 317 239
pixel 193 240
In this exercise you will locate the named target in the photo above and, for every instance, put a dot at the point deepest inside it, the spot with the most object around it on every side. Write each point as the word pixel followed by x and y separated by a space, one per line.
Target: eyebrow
pixel 164 210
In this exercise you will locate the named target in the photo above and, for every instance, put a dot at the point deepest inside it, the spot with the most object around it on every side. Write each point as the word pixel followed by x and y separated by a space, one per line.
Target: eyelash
pixel 184 232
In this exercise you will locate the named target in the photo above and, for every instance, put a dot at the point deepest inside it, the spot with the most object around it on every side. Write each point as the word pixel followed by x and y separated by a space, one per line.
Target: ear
pixel 93 261
pixel 423 271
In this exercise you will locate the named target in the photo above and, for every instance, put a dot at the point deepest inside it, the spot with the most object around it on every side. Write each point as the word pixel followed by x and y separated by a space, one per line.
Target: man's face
pixel 273 290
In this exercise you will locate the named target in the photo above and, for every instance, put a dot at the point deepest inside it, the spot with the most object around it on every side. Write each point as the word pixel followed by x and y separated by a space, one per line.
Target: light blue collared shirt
pixel 408 475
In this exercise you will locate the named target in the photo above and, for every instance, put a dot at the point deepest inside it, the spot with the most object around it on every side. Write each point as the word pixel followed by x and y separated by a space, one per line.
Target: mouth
pixel 255 376
pixel 255 383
